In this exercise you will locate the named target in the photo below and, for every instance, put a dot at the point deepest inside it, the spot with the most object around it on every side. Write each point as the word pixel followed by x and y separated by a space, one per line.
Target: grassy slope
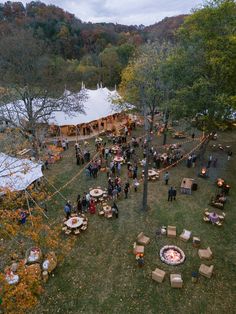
pixel 100 275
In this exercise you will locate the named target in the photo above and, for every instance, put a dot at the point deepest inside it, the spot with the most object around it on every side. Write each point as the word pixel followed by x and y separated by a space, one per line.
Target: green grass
pixel 100 274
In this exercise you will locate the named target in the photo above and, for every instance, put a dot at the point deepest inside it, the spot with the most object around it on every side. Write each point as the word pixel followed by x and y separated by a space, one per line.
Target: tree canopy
pixel 202 69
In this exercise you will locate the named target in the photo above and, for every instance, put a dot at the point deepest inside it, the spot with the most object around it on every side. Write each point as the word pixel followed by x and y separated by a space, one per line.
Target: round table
pixel 213 218
pixel 152 173
pixel 74 222
pixel 118 159
pixel 96 193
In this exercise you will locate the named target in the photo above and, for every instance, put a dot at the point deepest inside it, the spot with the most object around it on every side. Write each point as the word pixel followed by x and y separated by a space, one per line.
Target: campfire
pixel 203 173
pixel 172 255
pixel 220 182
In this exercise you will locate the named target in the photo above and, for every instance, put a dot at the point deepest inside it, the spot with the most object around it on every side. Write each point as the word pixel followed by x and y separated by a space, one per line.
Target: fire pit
pixel 203 173
pixel 172 255
pixel 220 182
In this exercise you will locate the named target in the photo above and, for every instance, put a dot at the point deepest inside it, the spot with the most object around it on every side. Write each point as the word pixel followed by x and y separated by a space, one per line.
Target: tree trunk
pixel 165 127
pixel 203 148
pixel 148 129
pixel 145 183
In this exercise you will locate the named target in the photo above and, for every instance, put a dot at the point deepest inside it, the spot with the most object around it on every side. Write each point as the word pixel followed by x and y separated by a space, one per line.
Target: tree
pixel 142 86
pixel 33 85
pixel 110 66
pixel 202 68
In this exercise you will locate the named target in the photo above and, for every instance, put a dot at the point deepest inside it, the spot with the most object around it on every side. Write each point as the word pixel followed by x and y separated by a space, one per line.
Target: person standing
pixel 88 199
pixel 170 194
pixel 115 209
pixel 84 203
pixel 63 145
pixel 229 155
pixel 79 204
pixel 166 177
pixel 174 193
pixel 136 184
pixel 92 207
pixel 215 162
pixel 126 189
pixel 119 168
pixel 67 143
pixel 209 161
pixel 67 210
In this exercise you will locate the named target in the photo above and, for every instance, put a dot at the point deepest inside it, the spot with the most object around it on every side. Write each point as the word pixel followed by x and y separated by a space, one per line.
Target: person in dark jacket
pixel 126 189
pixel 170 194
pixel 79 204
pixel 174 193
pixel 115 209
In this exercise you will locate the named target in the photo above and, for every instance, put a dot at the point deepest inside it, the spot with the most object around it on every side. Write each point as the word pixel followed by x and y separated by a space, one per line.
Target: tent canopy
pixel 98 104
pixel 17 174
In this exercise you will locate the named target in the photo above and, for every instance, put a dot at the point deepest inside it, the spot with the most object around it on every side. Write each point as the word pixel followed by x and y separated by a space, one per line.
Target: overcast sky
pixel 125 11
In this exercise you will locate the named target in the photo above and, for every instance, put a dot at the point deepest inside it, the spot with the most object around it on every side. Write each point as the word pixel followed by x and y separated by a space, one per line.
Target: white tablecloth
pixel 96 192
pixel 79 222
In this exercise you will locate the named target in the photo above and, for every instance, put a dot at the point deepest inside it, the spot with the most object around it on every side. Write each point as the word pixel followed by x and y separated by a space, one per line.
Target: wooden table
pixel 186 186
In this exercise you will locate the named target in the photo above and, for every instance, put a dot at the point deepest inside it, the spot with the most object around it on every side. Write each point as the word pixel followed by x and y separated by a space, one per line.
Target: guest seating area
pixel 176 279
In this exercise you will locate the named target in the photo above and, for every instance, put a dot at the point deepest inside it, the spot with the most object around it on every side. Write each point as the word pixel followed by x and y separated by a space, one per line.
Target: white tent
pixel 98 104
pixel 17 174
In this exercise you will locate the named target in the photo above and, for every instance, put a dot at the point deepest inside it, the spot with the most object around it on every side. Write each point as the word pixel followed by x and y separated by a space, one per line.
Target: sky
pixel 128 12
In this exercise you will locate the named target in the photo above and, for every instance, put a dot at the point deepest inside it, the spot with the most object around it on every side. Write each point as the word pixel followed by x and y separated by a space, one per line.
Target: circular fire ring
pixel 172 255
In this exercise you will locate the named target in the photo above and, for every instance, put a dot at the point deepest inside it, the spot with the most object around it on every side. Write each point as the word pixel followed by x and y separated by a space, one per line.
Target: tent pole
pixel 55 189
pixel 36 204
pixel 28 207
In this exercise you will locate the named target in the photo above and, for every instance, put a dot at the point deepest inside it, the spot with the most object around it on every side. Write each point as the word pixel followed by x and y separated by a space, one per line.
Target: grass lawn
pixel 100 274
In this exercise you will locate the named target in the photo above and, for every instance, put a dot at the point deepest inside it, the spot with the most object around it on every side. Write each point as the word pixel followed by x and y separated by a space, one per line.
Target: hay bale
pixel 34 270
pixel 45 276
pixel 50 262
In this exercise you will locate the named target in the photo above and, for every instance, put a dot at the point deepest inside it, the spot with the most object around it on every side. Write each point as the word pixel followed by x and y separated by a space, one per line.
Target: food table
pixel 213 217
pixel 74 222
pixel 96 193
pixel 118 159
